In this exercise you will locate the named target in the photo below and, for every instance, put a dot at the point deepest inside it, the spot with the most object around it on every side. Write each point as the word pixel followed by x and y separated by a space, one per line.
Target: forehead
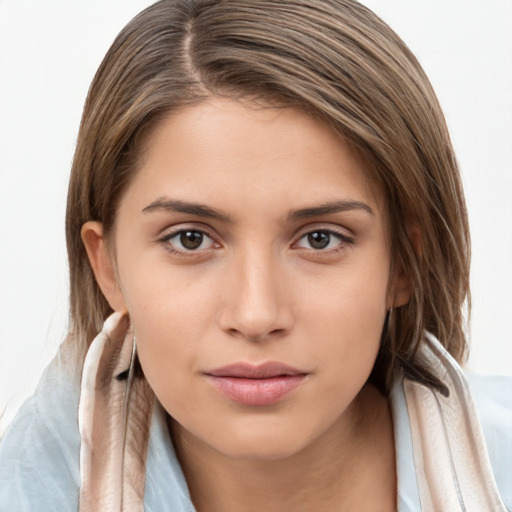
pixel 266 156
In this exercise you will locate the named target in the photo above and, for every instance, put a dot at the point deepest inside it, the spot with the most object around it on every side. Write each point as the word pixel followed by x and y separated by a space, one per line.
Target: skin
pixel 257 289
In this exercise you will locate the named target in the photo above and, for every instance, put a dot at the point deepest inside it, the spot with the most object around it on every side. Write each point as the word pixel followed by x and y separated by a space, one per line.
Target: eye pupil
pixel 319 239
pixel 191 239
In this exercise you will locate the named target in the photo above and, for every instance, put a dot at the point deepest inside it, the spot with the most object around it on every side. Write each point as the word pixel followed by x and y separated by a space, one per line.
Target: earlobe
pixel 100 261
pixel 402 286
pixel 402 290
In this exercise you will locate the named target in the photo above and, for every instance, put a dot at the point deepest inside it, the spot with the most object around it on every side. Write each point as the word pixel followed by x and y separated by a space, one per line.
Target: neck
pixel 350 467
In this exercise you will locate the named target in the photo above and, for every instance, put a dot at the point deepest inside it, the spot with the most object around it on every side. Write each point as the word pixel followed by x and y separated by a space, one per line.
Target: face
pixel 252 257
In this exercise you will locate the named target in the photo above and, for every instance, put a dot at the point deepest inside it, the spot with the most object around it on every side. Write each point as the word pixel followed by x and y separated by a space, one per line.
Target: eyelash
pixel 344 241
pixel 184 253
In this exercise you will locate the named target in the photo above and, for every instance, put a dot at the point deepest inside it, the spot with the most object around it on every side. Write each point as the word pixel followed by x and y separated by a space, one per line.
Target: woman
pixel 267 229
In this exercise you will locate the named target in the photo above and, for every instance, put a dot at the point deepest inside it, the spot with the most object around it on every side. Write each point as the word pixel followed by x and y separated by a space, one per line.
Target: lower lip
pixel 257 391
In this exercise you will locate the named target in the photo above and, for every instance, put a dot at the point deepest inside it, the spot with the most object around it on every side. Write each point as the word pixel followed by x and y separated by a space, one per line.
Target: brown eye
pixel 188 240
pixel 319 239
pixel 324 240
pixel 191 239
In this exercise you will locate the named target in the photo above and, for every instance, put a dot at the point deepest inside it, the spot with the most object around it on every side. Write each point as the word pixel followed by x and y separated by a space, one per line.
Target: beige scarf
pixel 452 466
pixel 114 420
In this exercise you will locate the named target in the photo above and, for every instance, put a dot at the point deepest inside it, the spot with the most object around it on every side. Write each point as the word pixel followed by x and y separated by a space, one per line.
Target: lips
pixel 256 385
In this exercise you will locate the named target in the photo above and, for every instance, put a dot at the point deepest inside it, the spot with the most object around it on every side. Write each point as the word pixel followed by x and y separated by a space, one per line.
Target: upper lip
pixel 255 371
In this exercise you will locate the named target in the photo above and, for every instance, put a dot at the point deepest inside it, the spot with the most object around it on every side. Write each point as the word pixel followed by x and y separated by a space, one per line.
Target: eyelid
pixel 345 240
pixel 171 232
pixel 335 230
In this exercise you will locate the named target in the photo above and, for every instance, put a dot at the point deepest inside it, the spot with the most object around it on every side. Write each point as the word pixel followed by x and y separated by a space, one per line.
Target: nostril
pixel 256 336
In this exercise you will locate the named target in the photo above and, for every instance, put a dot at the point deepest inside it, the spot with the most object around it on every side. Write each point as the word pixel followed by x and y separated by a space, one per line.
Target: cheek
pixel 171 315
pixel 351 301
pixel 164 300
pixel 346 319
pixel 348 340
pixel 168 344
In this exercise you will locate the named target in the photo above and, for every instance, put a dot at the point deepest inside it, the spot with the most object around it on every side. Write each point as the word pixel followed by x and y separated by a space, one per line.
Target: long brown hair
pixel 334 59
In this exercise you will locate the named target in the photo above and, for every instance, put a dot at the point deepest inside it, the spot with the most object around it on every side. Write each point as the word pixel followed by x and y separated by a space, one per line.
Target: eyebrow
pixel 176 205
pixel 329 208
pixel 201 210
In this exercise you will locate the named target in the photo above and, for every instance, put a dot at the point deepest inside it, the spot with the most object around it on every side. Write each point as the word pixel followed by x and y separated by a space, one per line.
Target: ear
pixel 401 289
pixel 402 286
pixel 101 263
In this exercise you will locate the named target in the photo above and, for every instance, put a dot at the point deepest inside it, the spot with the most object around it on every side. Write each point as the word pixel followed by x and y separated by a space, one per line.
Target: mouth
pixel 256 385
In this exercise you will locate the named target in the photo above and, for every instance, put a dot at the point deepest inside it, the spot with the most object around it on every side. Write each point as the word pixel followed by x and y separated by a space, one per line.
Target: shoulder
pixel 493 401
pixel 39 454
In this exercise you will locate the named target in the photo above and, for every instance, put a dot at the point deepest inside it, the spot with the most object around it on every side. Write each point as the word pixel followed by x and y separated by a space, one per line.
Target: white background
pixel 49 52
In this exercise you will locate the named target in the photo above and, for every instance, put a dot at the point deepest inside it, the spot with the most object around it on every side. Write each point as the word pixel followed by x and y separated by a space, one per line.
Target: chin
pixel 262 439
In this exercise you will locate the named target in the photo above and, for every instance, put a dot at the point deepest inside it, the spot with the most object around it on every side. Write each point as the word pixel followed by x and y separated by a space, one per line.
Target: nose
pixel 257 301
